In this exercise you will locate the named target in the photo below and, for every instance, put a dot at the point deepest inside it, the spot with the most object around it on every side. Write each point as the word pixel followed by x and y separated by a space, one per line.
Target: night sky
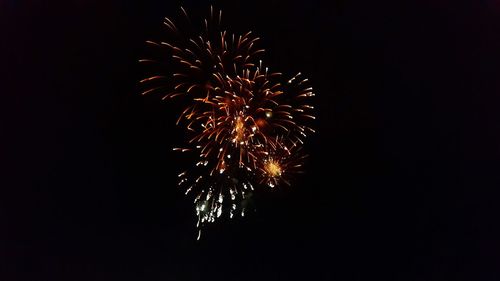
pixel 402 182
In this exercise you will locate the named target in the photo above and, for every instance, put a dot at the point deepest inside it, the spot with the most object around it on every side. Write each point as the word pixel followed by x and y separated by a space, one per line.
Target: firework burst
pixel 246 125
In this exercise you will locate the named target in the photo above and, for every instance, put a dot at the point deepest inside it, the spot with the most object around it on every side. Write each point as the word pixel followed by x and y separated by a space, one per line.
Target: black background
pixel 401 184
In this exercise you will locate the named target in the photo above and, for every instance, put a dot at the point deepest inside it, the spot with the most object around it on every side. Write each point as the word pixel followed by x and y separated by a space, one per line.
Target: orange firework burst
pixel 246 124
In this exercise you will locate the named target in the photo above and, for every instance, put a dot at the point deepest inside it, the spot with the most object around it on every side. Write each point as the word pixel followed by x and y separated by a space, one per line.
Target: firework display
pixel 245 125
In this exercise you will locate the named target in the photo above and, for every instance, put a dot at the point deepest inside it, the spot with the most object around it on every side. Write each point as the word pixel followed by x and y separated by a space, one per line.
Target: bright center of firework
pixel 239 130
pixel 273 168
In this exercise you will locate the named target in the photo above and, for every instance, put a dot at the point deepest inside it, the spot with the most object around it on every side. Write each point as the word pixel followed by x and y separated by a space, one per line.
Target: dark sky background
pixel 401 184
